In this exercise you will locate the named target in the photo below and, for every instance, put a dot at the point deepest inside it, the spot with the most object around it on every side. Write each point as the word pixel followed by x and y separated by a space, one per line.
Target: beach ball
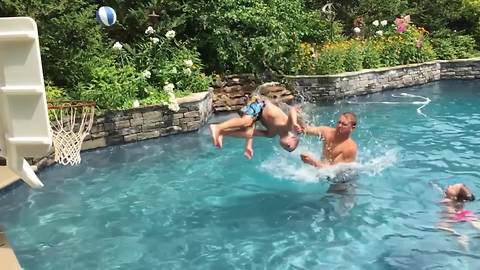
pixel 106 16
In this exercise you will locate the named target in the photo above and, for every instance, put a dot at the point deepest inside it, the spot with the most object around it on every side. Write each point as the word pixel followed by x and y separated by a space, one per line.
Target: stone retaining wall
pixel 229 93
pixel 118 127
pixel 330 87
pixel 460 69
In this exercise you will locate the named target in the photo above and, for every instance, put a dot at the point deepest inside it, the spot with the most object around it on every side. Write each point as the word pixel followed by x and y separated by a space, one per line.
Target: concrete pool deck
pixel 7 256
pixel 7 177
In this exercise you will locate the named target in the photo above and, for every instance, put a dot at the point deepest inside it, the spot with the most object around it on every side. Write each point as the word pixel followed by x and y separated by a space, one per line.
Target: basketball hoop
pixel 71 122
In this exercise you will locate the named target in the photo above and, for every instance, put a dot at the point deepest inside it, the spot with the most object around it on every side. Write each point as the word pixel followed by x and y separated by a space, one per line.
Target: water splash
pixel 423 103
pixel 289 166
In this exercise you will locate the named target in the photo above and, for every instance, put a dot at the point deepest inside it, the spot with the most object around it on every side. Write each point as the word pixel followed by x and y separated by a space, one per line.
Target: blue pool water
pixel 179 203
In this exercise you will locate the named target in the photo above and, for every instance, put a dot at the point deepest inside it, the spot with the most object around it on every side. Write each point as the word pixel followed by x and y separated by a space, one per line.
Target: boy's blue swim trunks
pixel 254 109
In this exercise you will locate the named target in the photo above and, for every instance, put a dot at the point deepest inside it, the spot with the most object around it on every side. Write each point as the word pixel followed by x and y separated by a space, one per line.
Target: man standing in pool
pixel 338 146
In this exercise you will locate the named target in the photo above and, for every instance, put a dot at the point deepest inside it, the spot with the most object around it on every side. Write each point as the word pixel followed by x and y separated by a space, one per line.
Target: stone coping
pixel 195 97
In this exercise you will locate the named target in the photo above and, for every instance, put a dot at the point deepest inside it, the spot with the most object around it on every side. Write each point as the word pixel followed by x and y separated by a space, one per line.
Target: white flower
pixel 146 74
pixel 154 40
pixel 376 23
pixel 117 46
pixel 356 30
pixel 379 32
pixel 170 34
pixel 169 87
pixel 384 22
pixel 187 71
pixel 174 70
pixel 171 96
pixel 149 30
pixel 188 63
pixel 136 103
pixel 174 106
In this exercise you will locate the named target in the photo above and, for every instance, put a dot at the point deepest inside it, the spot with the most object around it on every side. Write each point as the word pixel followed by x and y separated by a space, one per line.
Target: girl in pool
pixel 455 196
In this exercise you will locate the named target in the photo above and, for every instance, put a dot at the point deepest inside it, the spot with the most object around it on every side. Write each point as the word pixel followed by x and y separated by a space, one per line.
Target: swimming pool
pixel 179 203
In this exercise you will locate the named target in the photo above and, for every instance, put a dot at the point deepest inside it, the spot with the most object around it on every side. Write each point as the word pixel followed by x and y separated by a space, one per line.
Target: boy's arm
pixel 293 123
pixel 262 133
pixel 248 148
pixel 249 142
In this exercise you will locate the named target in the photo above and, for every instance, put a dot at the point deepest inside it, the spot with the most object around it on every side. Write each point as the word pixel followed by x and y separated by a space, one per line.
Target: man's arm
pixel 320 131
pixel 309 159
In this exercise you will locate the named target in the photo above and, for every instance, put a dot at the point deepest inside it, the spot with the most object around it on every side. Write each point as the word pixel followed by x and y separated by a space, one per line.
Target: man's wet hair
pixel 352 117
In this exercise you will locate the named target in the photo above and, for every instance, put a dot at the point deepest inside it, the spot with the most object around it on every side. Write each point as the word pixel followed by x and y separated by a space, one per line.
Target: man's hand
pixel 308 159
pixel 298 127
pixel 248 152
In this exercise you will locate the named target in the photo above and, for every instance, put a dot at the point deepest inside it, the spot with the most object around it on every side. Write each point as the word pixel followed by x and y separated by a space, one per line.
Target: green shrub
pixel 371 56
pixel 164 60
pixel 112 87
pixel 331 60
pixel 54 92
pixel 68 33
pixel 254 35
pixel 454 46
pixel 353 58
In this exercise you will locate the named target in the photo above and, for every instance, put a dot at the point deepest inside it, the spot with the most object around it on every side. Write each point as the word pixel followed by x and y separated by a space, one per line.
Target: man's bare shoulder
pixel 351 146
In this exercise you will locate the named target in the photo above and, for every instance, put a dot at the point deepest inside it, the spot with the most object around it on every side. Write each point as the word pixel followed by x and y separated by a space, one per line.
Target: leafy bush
pixel 254 35
pixel 164 60
pixel 354 57
pixel 386 48
pixel 331 60
pixel 454 46
pixel 112 87
pixel 55 92
pixel 69 36
pixel 371 55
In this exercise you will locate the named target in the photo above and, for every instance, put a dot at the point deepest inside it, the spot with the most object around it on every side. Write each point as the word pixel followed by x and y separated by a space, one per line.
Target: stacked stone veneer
pixel 149 122
pixel 328 87
pixel 229 93
pixel 118 127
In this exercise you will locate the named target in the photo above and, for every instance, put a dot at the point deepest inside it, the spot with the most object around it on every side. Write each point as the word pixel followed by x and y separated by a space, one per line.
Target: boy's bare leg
pixel 218 130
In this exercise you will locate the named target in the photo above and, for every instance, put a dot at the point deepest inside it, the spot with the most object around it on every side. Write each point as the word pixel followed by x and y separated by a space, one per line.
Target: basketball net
pixel 71 122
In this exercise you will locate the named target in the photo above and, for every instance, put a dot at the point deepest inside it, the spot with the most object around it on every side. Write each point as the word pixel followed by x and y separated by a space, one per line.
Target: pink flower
pixel 402 23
